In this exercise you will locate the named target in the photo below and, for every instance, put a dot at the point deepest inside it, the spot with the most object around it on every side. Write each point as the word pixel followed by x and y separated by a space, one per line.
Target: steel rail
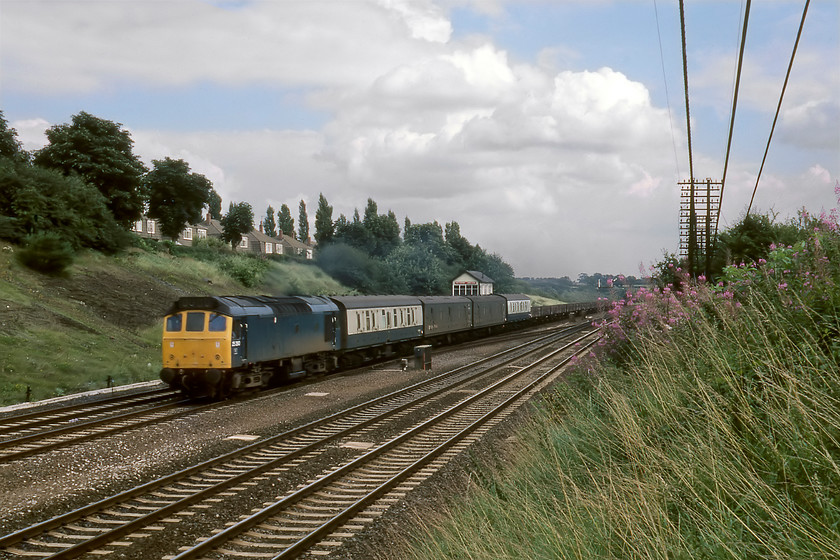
pixel 214 541
pixel 5 458
pixel 89 509
pixel 66 414
pixel 343 517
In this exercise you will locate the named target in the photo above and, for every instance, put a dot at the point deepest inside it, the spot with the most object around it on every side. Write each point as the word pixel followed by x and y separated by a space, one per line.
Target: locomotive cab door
pixel 330 329
pixel 239 343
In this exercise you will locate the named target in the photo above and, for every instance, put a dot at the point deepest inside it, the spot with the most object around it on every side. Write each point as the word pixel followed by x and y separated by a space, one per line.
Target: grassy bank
pixel 707 426
pixel 66 334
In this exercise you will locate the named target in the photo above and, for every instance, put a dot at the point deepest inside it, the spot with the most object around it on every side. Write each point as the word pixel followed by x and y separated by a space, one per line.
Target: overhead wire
pixel 685 80
pixel 779 106
pixel 667 94
pixel 734 108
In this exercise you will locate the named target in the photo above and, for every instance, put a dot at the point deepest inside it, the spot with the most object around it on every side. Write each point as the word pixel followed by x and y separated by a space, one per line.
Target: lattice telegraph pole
pixel 699 212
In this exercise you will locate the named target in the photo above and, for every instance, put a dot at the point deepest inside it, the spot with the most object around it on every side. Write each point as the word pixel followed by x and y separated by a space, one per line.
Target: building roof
pixel 480 277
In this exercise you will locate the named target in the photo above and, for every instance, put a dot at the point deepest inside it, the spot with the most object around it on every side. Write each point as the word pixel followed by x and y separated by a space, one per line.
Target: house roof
pixel 262 237
pixel 480 277
pixel 214 228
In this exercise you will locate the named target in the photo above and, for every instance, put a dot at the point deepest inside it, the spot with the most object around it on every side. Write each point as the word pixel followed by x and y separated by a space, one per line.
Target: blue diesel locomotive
pixel 221 345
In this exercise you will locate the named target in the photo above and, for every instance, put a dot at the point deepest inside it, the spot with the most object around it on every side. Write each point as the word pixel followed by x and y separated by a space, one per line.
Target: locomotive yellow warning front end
pixel 197 340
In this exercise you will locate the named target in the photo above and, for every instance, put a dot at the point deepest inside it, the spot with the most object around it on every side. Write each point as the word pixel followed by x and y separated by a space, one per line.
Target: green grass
pixel 296 278
pixel 56 344
pixel 708 427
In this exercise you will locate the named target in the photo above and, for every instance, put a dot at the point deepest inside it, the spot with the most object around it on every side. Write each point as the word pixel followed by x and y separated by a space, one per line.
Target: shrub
pixel 246 269
pixel 47 253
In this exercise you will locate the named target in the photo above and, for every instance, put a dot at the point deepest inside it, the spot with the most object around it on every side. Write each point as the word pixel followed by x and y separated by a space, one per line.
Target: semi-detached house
pixel 255 241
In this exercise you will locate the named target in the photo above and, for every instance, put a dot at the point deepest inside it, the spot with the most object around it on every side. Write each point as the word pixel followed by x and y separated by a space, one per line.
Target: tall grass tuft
pixel 707 426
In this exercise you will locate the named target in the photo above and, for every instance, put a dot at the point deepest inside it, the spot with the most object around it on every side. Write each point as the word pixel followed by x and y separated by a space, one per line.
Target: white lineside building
pixel 472 283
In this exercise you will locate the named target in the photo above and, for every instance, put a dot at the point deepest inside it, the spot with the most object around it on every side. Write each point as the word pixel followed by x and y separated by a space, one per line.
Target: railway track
pixel 37 432
pixel 145 518
pixel 33 433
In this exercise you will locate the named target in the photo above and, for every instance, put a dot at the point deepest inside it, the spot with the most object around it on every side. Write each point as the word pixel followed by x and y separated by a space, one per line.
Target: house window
pixel 279 249
pixel 151 225
pixel 138 226
pixel 269 248
pixel 244 243
pixel 187 234
pixel 201 233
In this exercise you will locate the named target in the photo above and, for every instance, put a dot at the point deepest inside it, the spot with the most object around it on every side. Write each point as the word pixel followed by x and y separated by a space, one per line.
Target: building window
pixel 279 249
pixel 138 226
pixel 187 234
pixel 201 233
pixel 244 243
pixel 151 226
pixel 269 248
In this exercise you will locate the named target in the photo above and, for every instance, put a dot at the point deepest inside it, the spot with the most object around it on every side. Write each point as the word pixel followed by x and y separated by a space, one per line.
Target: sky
pixel 553 132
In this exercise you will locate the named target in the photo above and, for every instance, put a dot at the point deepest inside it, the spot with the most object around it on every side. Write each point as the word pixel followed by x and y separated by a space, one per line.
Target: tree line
pixel 371 253
pixel 86 188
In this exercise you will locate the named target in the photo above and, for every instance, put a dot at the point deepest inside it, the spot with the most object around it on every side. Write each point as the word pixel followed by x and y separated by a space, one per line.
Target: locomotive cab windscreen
pixel 197 339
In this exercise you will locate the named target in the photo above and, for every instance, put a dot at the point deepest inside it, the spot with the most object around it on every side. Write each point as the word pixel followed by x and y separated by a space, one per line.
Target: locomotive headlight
pixel 171 356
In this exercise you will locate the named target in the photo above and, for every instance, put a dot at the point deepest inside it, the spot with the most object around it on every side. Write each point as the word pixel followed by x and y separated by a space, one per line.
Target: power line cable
pixel 779 106
pixel 685 80
pixel 667 94
pixel 734 107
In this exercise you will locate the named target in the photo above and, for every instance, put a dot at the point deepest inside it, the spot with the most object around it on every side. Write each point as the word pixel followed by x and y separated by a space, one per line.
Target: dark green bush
pixel 34 200
pixel 47 253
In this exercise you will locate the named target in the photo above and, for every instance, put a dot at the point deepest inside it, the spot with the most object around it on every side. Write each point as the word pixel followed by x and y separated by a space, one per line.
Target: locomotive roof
pixel 243 305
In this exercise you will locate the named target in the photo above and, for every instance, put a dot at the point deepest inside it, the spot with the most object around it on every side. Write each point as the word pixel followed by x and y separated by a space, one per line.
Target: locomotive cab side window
pixel 217 323
pixel 195 321
pixel 173 323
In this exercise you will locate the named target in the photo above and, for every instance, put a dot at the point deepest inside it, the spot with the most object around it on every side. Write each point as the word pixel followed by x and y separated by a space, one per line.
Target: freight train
pixel 222 345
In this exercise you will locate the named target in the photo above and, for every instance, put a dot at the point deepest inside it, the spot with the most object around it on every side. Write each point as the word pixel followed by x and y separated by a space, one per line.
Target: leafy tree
pixel 459 245
pixel 429 235
pixel 496 268
pixel 356 269
pixel 749 240
pixel 303 223
pixel 10 146
pixel 389 233
pixel 285 222
pixel 101 153
pixel 269 225
pixel 237 222
pixel 383 230
pixel 176 196
pixel 35 200
pixel 324 228
pixel 214 203
pixel 354 233
pixel 420 270
pixel 371 213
